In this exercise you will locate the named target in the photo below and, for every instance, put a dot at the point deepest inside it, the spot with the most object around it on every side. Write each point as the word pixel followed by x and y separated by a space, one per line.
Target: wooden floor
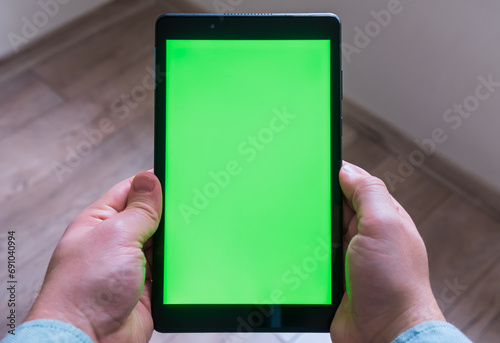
pixel 54 94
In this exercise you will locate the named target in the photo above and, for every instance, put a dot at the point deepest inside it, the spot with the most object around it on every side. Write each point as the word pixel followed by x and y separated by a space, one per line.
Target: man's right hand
pixel 387 275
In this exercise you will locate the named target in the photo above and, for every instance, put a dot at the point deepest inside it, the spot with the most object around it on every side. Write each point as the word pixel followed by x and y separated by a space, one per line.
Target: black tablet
pixel 247 148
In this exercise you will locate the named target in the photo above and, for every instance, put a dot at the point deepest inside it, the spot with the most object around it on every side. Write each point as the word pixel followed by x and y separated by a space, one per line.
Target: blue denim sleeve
pixel 46 331
pixel 432 332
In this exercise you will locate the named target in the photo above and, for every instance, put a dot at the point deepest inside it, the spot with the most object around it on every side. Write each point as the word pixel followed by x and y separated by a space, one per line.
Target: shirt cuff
pixel 47 331
pixel 432 332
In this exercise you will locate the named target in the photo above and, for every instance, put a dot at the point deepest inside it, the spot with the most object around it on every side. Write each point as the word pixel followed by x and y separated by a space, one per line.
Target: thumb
pixel 368 197
pixel 142 213
pixel 362 189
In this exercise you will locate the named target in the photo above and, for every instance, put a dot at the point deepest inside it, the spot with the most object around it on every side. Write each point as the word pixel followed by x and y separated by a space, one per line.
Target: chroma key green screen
pixel 248 172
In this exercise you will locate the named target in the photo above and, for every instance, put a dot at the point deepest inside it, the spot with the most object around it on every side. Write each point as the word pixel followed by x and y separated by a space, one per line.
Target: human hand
pixel 387 276
pixel 98 278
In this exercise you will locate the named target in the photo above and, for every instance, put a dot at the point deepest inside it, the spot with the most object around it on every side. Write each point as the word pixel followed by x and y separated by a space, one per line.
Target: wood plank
pixel 47 139
pixel 125 154
pixel 28 153
pixel 478 314
pixel 22 99
pixel 180 6
pixel 457 238
pixel 41 215
pixel 365 153
pixel 69 35
pixel 64 128
pixel 416 192
pixel 131 86
pixel 349 135
pixel 475 190
pixel 99 57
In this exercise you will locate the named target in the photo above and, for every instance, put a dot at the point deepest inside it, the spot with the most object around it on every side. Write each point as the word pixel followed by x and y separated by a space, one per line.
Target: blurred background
pixel 421 111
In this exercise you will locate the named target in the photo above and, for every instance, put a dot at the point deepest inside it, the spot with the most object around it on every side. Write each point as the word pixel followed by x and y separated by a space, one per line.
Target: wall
pixel 22 22
pixel 418 67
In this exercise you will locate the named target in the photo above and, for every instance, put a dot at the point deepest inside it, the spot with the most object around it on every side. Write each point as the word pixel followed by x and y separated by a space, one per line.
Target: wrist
pixel 58 309
pixel 409 318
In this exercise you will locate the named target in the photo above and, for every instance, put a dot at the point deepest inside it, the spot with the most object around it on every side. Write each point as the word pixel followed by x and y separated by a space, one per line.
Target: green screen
pixel 248 174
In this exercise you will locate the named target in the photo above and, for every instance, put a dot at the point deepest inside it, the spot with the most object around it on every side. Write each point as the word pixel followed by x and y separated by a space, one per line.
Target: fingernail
pixel 143 183
pixel 350 169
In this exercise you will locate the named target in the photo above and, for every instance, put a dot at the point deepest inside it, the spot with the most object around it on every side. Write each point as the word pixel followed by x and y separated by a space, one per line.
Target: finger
pixel 116 198
pixel 148 253
pixel 347 214
pixel 355 167
pixel 400 209
pixel 149 266
pixel 140 218
pixel 352 230
pixel 350 223
pixel 370 199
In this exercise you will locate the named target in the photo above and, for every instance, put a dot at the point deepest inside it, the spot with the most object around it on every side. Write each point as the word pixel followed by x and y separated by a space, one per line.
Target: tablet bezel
pixel 249 318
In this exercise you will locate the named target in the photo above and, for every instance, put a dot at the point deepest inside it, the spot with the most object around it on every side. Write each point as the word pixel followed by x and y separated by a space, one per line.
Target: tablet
pixel 248 150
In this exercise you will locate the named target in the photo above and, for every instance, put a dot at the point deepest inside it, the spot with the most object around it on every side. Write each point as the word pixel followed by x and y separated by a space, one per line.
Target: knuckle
pixel 149 212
